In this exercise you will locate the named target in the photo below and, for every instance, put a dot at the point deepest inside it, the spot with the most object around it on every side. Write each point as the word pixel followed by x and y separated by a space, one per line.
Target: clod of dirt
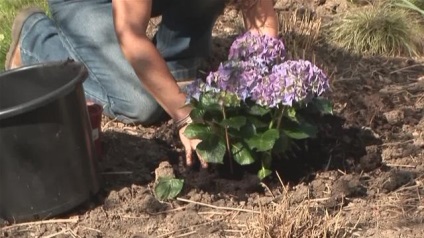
pixel 369 136
pixel 112 200
pixel 3 223
pixel 372 160
pixel 164 170
pixel 320 2
pixel 319 188
pixel 301 193
pixel 249 183
pixel 283 5
pixel 394 117
pixel 151 205
pixel 348 186
pixel 394 179
pixel 185 219
pixel 335 202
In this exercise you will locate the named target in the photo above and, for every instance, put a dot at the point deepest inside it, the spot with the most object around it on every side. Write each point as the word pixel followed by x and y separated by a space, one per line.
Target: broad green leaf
pixel 263 173
pixel 264 141
pixel 197 113
pixel 300 131
pixel 168 188
pixel 234 122
pixel 242 154
pixel 212 149
pixel 282 144
pixel 197 131
pixel 258 110
pixel 257 122
pixel 247 131
pixel 209 102
pixel 323 105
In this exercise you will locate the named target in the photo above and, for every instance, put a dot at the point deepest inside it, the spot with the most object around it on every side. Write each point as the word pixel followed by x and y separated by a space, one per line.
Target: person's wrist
pixel 180 123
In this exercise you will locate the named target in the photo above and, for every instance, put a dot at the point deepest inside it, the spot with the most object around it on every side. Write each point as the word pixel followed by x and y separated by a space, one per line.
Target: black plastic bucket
pixel 47 158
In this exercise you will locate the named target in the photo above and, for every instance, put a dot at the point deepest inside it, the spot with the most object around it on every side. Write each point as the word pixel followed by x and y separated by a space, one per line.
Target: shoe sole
pixel 16 32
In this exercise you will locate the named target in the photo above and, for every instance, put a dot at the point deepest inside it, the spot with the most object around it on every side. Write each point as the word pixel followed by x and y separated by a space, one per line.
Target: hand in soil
pixel 190 149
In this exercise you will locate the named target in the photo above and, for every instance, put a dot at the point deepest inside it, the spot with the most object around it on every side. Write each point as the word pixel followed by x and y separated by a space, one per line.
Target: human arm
pixel 131 19
pixel 260 17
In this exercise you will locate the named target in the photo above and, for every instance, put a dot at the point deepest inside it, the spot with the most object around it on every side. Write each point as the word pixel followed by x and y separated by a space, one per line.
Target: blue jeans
pixel 83 30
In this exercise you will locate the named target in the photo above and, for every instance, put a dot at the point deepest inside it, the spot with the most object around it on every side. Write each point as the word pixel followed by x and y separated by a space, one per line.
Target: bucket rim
pixel 79 77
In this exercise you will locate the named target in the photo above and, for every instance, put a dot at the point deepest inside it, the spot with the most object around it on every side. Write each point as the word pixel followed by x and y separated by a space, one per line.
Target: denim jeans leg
pixel 39 30
pixel 84 31
pixel 184 36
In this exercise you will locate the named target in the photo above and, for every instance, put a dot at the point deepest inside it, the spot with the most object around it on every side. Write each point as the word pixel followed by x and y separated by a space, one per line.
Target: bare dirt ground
pixel 362 177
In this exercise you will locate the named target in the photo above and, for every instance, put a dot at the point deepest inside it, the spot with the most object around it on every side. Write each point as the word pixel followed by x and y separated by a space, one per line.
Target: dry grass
pixel 304 219
pixel 300 31
pixel 377 30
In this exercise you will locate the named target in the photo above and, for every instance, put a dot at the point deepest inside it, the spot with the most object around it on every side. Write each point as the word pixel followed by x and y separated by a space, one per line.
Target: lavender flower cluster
pixel 262 49
pixel 256 70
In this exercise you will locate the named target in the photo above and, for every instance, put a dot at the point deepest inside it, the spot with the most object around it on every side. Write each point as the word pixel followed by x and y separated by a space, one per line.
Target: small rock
pixel 164 170
pixel 394 117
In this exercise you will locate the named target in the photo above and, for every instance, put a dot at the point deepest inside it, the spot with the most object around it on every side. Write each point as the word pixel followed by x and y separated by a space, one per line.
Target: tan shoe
pixel 13 56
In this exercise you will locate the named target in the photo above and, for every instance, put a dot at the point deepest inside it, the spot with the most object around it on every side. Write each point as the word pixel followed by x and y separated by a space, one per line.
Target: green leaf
pixel 234 122
pixel 257 122
pixel 247 131
pixel 266 160
pixel 291 113
pixel 264 141
pixel 197 131
pixel 168 188
pixel 209 102
pixel 282 144
pixel 323 105
pixel 257 110
pixel 300 131
pixel 263 173
pixel 242 154
pixel 197 113
pixel 212 149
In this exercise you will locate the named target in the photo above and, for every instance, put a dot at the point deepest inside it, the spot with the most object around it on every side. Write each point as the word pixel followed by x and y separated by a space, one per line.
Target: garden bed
pixel 363 176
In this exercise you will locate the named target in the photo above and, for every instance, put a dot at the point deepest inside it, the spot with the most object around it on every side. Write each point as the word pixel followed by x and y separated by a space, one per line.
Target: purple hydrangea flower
pixel 236 77
pixel 291 81
pixel 194 90
pixel 300 81
pixel 263 48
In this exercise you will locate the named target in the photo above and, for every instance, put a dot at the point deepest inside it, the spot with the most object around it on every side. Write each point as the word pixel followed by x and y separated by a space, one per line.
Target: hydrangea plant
pixel 255 103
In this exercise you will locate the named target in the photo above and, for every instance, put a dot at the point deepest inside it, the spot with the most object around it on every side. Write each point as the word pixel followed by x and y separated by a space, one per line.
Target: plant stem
pixel 227 140
pixel 280 117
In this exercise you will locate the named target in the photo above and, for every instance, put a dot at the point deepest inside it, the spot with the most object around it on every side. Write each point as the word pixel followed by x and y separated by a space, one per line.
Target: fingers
pixel 189 156
pixel 190 146
pixel 203 163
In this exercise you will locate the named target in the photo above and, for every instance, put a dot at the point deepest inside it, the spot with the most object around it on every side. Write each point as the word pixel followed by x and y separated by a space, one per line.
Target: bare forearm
pixel 131 19
pixel 151 68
